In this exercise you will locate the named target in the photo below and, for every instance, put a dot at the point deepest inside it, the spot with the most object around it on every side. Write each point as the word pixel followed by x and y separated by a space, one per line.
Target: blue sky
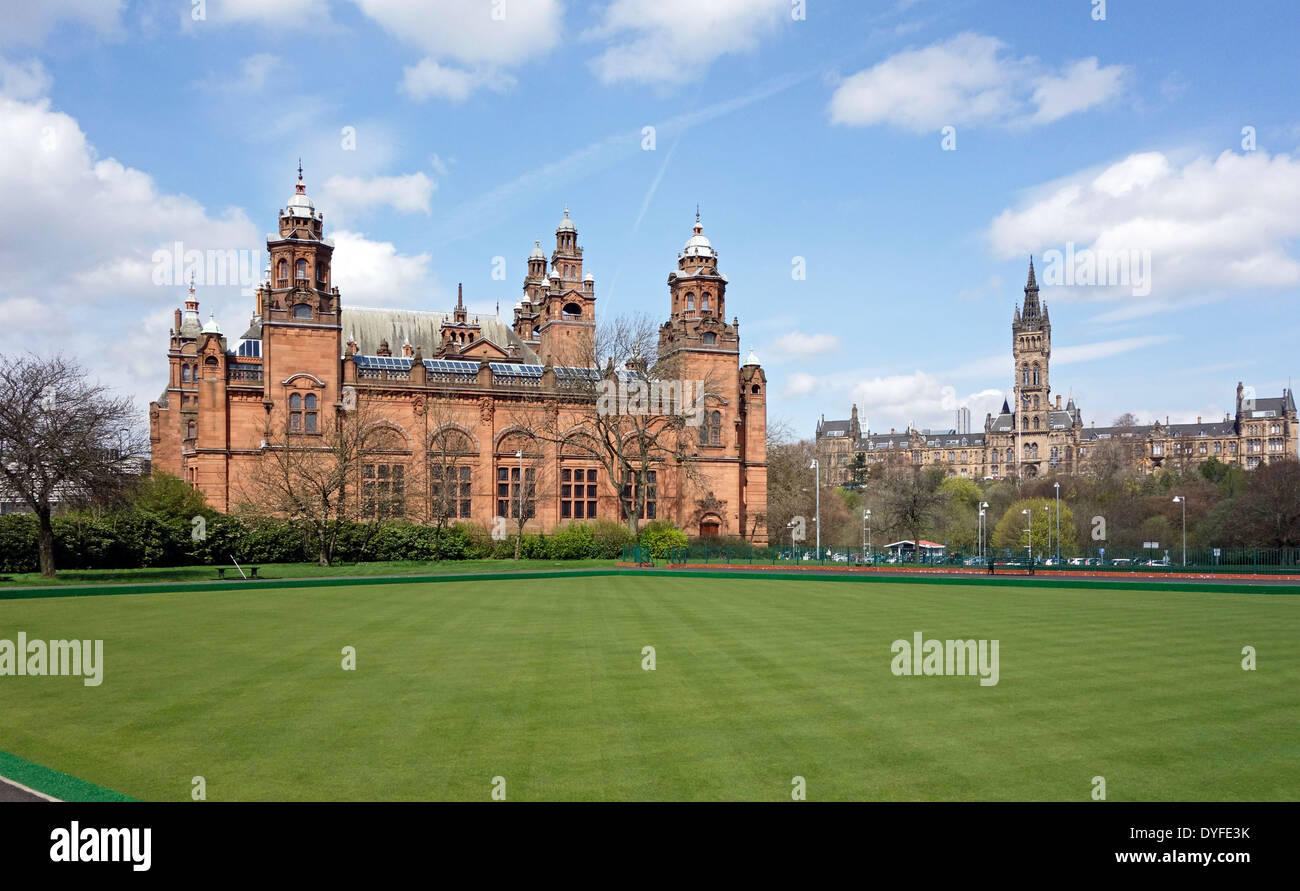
pixel 128 127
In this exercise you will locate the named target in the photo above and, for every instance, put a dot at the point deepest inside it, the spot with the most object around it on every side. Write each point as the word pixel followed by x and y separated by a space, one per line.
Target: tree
pixel 789 481
pixel 1010 530
pixel 327 476
pixel 909 501
pixel 1270 508
pixel 1128 419
pixel 63 440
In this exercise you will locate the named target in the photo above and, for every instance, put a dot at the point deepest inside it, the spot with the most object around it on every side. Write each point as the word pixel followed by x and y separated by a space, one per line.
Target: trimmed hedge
pixel 131 539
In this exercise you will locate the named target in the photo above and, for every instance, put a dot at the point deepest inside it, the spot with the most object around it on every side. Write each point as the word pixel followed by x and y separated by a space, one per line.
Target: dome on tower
pixel 537 253
pixel 698 245
pixel 211 326
pixel 589 277
pixel 299 205
pixel 566 224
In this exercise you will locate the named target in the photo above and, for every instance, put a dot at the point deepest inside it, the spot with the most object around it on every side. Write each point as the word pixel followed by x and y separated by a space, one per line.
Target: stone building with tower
pixel 457 383
pixel 1035 435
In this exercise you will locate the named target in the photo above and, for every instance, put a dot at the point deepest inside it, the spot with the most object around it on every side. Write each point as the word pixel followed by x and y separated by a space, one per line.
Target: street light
pixel 520 455
pixel 1179 499
pixel 983 527
pixel 1048 510
pixel 866 531
pixel 817 520
pixel 1029 534
pixel 1057 486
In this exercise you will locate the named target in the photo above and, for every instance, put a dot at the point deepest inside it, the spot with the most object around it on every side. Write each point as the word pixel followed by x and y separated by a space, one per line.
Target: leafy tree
pixel 1010 531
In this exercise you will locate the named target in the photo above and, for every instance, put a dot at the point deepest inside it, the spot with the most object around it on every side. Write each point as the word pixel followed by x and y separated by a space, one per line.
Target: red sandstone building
pixel 437 381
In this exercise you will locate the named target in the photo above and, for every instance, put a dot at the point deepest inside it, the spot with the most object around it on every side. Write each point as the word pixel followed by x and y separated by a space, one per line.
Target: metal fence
pixel 1118 560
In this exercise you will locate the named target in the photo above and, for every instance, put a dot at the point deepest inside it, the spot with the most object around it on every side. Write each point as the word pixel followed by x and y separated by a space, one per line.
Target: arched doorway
pixel 710 527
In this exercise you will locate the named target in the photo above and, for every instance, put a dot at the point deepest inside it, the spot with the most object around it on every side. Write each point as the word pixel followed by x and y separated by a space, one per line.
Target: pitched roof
pixel 420 328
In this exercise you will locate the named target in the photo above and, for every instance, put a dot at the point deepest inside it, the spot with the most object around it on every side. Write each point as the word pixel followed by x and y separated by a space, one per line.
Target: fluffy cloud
pixel 348 196
pixel 23 80
pixel 969 80
pixel 465 46
pixel 797 345
pixel 673 41
pixel 280 12
pixel 93 290
pixel 375 273
pixel 919 398
pixel 1209 226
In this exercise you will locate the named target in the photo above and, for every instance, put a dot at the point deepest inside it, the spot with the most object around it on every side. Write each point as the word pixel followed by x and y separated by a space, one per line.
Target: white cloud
pixel 24 80
pixel 427 79
pixel 920 399
pixel 969 80
pixel 374 273
pixel 675 41
pixel 464 33
pixel 796 344
pixel 800 383
pixel 30 23
pixel 1211 226
pixel 349 196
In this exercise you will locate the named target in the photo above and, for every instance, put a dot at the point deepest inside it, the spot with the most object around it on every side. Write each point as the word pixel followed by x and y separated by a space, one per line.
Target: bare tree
pixel 63 440
pixel 910 503
pixel 637 413
pixel 326 471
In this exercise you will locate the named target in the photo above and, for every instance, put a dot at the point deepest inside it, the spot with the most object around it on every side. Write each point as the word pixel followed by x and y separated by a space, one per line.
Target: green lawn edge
pixel 54 783
pixel 865 578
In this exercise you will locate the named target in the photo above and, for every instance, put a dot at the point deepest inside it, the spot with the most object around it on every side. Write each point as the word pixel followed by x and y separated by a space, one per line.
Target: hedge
pixel 139 538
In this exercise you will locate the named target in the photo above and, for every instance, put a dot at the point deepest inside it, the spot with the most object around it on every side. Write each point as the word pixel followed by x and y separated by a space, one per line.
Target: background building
pixel 1034 434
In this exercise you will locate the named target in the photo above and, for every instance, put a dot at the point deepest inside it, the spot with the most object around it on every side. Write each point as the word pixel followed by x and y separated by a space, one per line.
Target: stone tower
pixel 1031 346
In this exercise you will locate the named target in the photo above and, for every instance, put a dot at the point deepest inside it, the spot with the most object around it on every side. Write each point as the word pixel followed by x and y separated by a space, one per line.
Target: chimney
pixel 1058 401
pixel 1198 419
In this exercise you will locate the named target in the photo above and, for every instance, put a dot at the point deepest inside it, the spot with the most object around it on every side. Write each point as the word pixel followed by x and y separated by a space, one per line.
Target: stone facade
pixel 1033 435
pixel 437 381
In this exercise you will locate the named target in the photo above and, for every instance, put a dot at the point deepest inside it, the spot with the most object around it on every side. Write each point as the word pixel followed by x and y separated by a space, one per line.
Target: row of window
pixel 300 271
pixel 383 492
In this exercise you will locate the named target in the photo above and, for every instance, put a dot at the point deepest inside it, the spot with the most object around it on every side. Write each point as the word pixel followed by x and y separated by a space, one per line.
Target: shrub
pixel 659 536
pixel 18 543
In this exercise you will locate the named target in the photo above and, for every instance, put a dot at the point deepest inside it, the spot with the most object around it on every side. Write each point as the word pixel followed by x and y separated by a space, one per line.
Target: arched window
pixel 302 311
pixel 320 273
pixel 711 429
pixel 302 268
pixel 185 372
pixel 1035 400
pixel 295 412
pixel 1035 375
pixel 710 339
pixel 191 430
pixel 690 302
pixel 1024 375
pixel 303 413
pixel 282 270
pixel 704 302
pixel 1035 422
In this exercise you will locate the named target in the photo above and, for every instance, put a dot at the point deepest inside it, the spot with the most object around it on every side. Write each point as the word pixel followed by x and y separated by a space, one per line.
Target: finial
pixel 300 188
pixel 191 284
pixel 697 212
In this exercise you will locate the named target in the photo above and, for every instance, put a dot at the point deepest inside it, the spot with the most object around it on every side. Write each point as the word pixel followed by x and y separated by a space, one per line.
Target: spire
pixel 1031 294
pixel 192 302
pixel 301 187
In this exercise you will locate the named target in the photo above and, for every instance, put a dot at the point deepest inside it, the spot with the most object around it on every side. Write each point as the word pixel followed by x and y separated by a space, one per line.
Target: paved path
pixel 11 791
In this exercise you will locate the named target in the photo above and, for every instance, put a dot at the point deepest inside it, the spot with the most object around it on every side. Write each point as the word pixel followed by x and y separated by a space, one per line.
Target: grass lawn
pixel 757 681
pixel 286 571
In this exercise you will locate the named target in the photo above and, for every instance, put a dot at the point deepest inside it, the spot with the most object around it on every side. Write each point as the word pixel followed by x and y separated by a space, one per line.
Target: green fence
pixel 1118 560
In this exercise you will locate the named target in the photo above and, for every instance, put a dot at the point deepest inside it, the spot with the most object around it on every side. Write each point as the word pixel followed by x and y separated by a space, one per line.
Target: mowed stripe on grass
pixel 757 681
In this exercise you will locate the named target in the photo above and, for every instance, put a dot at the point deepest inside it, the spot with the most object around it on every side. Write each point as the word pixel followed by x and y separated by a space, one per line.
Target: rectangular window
pixel 578 493
pixel 508 494
pixel 449 491
pixel 631 491
pixel 383 491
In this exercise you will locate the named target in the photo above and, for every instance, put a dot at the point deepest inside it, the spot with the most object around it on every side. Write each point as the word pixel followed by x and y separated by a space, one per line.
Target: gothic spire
pixel 1031 294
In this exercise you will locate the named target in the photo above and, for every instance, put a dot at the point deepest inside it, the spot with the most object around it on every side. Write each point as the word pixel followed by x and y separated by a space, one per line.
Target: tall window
pixel 450 488
pixel 711 428
pixel 578 493
pixel 320 273
pixel 634 492
pixel 704 302
pixel 690 302
pixel 1024 374
pixel 185 373
pixel 303 413
pixel 302 268
pixel 508 495
pixel 1035 375
pixel 282 270
pixel 383 491
pixel 191 430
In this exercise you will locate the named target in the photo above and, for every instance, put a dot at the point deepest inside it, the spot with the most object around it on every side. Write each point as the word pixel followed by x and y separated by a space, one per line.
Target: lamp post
pixel 1179 499
pixel 983 527
pixel 1029 534
pixel 817 487
pixel 1047 509
pixel 1057 486
pixel 866 532
pixel 520 455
